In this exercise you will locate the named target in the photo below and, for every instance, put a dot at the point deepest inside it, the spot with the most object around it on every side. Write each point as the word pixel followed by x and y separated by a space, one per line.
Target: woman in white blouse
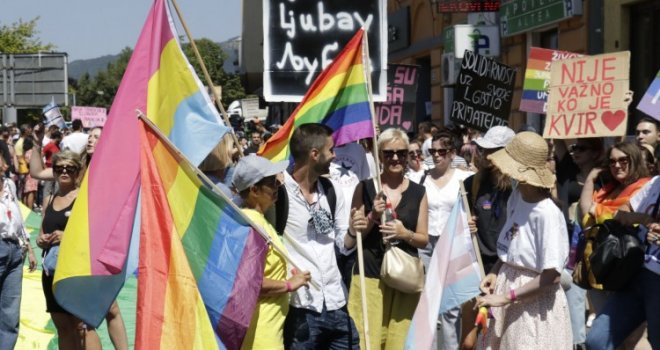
pixel 529 307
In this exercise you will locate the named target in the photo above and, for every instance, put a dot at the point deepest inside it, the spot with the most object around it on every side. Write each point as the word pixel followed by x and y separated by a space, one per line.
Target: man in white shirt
pixel 317 317
pixel 77 140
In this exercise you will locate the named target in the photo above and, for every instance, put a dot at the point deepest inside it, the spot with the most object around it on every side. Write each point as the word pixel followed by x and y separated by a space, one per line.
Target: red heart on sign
pixel 613 119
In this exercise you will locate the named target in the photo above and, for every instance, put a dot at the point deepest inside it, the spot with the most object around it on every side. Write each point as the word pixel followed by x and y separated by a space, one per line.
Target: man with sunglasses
pixel 317 317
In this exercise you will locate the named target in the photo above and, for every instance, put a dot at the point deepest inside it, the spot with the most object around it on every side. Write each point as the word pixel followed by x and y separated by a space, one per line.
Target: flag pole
pixel 475 244
pixel 217 190
pixel 360 252
pixel 207 77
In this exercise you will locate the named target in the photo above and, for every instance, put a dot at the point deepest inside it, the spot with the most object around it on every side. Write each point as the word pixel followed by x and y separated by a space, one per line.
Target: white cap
pixel 496 137
pixel 252 168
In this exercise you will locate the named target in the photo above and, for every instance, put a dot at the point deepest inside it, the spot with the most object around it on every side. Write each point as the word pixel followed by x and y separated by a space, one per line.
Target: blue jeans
pixel 307 329
pixel 577 305
pixel 11 279
pixel 625 310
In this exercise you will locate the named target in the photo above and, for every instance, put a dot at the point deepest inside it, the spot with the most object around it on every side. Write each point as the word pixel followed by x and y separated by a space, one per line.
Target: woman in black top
pixel 390 310
pixel 72 333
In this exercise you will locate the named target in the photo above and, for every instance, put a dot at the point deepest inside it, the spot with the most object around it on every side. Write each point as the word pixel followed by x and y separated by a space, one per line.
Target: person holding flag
pixel 529 307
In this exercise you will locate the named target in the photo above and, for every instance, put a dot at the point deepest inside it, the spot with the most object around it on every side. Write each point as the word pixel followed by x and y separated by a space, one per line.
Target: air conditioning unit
pixel 450 68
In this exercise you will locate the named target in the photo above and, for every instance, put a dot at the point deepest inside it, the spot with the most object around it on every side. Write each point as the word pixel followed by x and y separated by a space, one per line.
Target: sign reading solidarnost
pixel 537 78
pixel 90 116
pixel 399 109
pixel 483 93
pixel 588 97
pixel 650 103
pixel 302 37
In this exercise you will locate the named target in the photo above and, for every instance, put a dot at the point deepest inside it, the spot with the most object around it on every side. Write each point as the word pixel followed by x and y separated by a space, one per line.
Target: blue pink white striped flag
pixel 452 279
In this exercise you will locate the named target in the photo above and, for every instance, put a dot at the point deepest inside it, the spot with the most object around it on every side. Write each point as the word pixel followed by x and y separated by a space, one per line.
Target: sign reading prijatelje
pixel 589 97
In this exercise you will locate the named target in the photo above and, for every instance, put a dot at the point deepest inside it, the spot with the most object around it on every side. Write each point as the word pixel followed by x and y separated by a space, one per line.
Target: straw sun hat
pixel 524 159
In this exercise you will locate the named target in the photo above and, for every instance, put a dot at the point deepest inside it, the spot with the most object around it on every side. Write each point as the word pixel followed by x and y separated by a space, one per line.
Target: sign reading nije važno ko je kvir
pixel 588 97
pixel 302 37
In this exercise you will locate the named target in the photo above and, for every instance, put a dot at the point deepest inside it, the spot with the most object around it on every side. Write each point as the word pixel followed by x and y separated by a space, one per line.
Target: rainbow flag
pixel 160 82
pixel 201 264
pixel 537 78
pixel 452 279
pixel 338 98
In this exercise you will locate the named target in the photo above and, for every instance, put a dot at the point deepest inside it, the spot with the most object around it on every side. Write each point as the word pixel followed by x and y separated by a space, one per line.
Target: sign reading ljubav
pixel 483 93
pixel 302 37
pixel 588 97
pixel 399 109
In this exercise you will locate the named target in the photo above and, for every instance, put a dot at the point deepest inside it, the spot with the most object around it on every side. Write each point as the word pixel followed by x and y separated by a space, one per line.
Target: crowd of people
pixel 533 204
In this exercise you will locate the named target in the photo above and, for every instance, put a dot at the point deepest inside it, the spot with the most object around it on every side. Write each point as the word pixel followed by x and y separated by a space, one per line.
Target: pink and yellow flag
pixel 160 82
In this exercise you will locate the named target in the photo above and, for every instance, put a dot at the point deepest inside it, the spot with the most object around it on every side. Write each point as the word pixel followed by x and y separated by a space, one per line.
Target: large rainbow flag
pixel 160 82
pixel 452 279
pixel 201 264
pixel 338 98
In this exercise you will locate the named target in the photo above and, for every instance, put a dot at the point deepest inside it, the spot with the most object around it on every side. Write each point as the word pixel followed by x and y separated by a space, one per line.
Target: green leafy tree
pixel 214 59
pixel 101 90
pixel 21 37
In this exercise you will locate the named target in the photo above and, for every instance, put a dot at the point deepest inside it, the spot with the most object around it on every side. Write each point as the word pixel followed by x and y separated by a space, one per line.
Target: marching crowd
pixel 539 211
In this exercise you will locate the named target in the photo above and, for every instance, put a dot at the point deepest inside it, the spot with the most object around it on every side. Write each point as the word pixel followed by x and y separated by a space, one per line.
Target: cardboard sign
pixel 302 37
pixel 650 103
pixel 537 78
pixel 483 93
pixel 90 116
pixel 399 109
pixel 588 97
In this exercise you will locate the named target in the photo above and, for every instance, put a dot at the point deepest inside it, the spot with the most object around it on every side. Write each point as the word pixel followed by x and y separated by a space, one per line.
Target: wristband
pixel 412 236
pixel 288 287
pixel 351 235
pixel 372 218
pixel 512 295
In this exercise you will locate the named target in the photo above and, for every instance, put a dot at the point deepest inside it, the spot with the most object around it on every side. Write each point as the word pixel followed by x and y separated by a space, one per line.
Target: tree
pixel 20 37
pixel 214 59
pixel 101 90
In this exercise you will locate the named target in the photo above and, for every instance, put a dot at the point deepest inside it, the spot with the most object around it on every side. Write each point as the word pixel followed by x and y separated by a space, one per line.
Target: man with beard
pixel 317 317
pixel 488 192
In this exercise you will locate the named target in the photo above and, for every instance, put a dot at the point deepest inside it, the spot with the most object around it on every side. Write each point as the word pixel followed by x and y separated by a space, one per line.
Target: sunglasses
pixel 440 151
pixel 400 153
pixel 623 161
pixel 415 153
pixel 61 169
pixel 577 148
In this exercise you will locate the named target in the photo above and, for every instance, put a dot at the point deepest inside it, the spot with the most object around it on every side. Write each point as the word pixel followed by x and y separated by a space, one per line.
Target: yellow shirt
pixel 267 325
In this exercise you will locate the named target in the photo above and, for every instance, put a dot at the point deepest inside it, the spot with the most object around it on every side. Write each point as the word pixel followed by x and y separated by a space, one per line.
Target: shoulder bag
pixel 401 270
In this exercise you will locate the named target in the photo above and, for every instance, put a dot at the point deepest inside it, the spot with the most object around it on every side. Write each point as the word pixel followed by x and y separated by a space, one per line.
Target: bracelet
pixel 372 218
pixel 412 236
pixel 512 295
pixel 288 287
pixel 351 235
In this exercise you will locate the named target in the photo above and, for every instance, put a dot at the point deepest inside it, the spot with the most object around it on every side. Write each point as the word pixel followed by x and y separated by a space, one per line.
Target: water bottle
pixel 390 215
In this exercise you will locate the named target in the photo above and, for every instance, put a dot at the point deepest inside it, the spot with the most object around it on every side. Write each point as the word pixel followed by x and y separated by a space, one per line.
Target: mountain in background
pixel 94 65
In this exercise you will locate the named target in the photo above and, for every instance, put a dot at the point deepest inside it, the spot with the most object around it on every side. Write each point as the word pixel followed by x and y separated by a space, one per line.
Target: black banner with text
pixel 399 109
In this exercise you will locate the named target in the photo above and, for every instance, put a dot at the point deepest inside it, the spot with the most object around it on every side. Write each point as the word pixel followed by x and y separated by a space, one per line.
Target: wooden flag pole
pixel 217 190
pixel 207 77
pixel 475 244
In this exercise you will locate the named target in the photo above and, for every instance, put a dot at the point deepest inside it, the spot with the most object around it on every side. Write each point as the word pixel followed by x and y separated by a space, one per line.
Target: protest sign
pixel 90 116
pixel 537 78
pixel 483 93
pixel 302 37
pixel 399 109
pixel 52 115
pixel 650 103
pixel 588 97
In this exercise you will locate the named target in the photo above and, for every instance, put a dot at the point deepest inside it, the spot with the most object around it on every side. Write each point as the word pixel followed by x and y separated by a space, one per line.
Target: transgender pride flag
pixel 452 279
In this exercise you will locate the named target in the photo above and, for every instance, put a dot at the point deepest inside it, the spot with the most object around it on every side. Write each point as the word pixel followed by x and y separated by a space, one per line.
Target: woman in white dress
pixel 529 307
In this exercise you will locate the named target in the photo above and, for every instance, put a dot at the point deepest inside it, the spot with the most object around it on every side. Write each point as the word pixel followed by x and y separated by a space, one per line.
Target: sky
pixel 92 28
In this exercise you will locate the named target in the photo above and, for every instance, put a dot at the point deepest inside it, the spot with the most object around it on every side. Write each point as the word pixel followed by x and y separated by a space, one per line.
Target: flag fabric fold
pixel 201 264
pixel 338 98
pixel 92 262
pixel 452 279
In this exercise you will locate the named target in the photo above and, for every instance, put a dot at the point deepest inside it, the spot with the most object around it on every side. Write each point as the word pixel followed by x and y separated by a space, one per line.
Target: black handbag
pixel 618 254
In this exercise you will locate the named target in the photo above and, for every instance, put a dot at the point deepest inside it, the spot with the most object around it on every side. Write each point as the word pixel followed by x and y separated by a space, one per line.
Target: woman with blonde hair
pixel 218 165
pixel 390 310
pixel 529 307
